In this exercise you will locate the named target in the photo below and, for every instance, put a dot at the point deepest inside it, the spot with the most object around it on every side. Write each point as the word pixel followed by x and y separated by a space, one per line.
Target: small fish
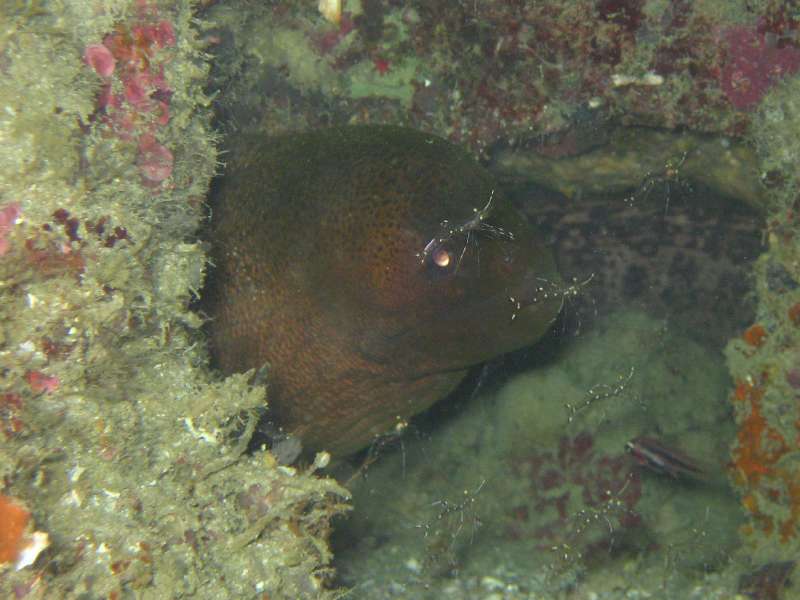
pixel 657 457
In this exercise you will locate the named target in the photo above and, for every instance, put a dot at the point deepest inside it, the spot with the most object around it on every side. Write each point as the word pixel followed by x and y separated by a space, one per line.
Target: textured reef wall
pixel 765 361
pixel 122 471
pixel 544 73
pixel 609 88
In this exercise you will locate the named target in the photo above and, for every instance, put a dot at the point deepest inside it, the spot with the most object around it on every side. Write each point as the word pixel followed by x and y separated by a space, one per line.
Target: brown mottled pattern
pixel 316 240
pixel 687 261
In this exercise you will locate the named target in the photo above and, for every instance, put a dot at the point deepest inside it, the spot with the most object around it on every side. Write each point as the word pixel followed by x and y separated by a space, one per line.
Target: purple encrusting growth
pixel 565 484
pixel 756 61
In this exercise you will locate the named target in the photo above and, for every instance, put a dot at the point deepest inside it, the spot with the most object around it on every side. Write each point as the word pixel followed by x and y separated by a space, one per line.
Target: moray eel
pixel 369 267
pixel 682 255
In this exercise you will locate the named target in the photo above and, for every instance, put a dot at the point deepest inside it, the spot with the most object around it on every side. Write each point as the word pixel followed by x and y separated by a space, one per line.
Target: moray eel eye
pixel 442 258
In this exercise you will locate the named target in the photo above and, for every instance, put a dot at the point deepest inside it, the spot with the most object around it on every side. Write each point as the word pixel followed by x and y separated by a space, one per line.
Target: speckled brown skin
pixel 317 241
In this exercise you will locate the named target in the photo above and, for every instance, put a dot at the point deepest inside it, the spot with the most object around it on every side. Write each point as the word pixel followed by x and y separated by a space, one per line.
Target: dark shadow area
pixel 680 253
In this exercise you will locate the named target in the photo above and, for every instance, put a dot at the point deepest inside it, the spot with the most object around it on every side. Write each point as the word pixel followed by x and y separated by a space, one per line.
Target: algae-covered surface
pixel 122 456
pixel 534 481
pixel 527 490
pixel 648 447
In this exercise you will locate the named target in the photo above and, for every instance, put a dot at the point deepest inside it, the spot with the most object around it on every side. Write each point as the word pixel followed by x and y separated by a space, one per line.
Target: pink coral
pixel 755 63
pixel 100 59
pixel 8 216
pixel 155 160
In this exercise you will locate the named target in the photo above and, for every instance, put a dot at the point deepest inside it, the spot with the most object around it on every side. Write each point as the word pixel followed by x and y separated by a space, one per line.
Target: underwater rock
pixel 678 252
pixel 370 266
pixel 636 157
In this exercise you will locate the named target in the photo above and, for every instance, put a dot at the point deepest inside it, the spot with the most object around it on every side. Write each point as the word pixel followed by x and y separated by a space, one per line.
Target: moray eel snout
pixel 370 266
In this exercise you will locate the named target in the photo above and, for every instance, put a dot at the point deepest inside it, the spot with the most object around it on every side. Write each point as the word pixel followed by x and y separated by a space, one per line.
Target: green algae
pixel 764 371
pixel 131 458
pixel 633 156
pixel 124 339
pixel 666 385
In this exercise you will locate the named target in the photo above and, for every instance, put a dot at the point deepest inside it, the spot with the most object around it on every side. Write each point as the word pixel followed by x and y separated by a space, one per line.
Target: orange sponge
pixel 13 521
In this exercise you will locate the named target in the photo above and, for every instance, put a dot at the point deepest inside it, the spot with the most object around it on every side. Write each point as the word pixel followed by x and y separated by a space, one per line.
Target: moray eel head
pixel 370 266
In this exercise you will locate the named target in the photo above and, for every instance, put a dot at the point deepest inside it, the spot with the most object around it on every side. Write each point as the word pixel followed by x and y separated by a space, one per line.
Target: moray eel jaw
pixel 370 267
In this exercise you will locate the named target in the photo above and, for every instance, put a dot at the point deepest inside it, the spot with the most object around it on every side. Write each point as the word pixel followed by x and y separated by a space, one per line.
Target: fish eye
pixel 441 258
pixel 441 262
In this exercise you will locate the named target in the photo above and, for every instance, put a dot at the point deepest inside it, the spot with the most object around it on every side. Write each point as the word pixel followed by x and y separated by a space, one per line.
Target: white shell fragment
pixel 648 79
pixel 321 460
pixel 36 542
pixel 331 10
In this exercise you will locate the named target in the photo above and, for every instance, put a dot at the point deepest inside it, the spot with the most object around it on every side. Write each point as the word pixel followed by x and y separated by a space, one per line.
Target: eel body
pixel 369 267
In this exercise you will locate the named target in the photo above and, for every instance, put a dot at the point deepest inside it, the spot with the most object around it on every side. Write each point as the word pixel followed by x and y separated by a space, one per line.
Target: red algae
pixel 39 382
pixel 575 476
pixel 755 336
pixel 754 65
pixel 757 467
pixel 8 217
pixel 794 314
pixel 759 445
pixel 155 160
